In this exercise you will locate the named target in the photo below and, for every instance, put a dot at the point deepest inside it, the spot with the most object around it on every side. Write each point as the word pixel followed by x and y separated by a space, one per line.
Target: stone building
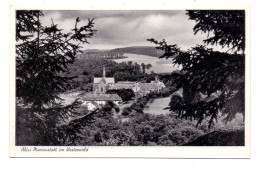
pixel 102 84
pixel 93 101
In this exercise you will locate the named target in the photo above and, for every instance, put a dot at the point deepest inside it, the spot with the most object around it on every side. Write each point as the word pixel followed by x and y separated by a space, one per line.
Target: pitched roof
pixel 107 79
pixel 126 82
pixel 143 86
pixel 148 86
pixel 123 85
pixel 101 97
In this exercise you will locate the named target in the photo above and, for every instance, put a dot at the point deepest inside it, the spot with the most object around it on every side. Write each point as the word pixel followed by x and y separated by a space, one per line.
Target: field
pixel 156 107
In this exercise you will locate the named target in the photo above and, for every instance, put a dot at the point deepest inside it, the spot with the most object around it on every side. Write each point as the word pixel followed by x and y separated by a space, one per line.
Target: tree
pixel 42 55
pixel 227 27
pixel 125 112
pixel 220 76
pixel 144 66
pixel 125 94
pixel 148 66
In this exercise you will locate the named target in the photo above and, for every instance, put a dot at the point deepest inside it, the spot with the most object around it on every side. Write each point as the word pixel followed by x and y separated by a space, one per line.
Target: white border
pixel 148 152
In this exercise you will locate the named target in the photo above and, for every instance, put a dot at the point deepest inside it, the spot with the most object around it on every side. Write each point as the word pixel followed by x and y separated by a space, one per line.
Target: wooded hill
pixel 141 50
pixel 117 53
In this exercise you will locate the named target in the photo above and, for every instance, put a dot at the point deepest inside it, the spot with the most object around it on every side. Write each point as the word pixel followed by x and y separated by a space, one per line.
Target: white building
pixel 93 101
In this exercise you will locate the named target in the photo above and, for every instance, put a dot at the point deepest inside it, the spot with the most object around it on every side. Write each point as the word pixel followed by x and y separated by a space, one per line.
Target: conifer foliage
pixel 220 76
pixel 43 54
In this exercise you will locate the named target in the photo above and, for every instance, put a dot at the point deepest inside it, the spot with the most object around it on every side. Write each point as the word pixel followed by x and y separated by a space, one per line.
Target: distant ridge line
pixel 141 50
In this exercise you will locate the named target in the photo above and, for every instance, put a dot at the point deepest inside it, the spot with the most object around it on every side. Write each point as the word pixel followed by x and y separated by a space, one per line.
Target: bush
pixel 107 108
pixel 125 112
pixel 125 94
pixel 138 110
pixel 129 109
pixel 117 109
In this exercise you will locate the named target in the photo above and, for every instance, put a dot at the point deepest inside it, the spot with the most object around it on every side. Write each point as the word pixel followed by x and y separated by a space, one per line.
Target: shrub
pixel 117 109
pixel 125 112
pixel 107 108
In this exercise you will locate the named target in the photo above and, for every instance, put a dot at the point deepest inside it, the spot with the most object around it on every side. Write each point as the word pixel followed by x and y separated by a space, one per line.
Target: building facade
pixel 93 101
pixel 102 84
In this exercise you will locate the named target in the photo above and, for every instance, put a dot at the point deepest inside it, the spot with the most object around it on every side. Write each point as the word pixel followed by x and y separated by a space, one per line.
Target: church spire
pixel 156 78
pixel 104 72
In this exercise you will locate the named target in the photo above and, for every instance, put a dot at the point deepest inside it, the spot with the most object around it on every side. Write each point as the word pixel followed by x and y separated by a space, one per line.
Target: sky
pixel 123 28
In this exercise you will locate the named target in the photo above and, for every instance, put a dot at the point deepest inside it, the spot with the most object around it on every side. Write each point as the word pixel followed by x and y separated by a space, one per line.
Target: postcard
pixel 144 82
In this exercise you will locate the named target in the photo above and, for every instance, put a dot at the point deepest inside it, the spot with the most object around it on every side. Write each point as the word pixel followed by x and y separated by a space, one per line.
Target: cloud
pixel 131 28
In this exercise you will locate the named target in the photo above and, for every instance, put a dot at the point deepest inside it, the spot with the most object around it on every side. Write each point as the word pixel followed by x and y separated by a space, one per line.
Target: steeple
pixel 156 78
pixel 104 72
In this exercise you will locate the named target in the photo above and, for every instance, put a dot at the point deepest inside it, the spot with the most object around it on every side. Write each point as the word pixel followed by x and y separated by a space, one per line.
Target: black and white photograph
pixel 130 78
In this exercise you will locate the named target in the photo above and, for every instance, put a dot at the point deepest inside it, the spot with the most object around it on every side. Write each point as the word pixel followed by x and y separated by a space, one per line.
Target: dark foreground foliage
pixel 220 138
pixel 101 128
pixel 43 53
pixel 140 130
pixel 217 75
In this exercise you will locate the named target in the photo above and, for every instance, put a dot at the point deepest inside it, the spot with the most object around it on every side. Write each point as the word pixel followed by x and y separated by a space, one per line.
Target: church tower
pixel 104 72
pixel 156 78
pixel 101 84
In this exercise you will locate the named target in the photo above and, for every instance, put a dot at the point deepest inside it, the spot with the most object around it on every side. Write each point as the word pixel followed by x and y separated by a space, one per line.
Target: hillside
pixel 94 51
pixel 97 54
pixel 118 52
pixel 141 50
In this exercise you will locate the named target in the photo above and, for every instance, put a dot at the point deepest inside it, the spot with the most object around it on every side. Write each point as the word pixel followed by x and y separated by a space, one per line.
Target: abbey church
pixel 102 84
